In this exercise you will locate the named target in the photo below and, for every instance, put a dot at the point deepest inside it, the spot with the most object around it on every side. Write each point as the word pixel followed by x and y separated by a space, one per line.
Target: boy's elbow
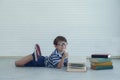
pixel 59 67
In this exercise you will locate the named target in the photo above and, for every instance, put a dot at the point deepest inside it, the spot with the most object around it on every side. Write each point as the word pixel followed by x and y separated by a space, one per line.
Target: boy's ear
pixel 55 46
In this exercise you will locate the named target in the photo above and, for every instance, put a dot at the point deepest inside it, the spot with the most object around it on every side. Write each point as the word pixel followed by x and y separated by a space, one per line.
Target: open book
pixel 80 67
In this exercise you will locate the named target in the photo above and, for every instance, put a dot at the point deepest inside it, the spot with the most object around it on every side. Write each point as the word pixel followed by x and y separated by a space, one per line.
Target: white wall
pixel 89 25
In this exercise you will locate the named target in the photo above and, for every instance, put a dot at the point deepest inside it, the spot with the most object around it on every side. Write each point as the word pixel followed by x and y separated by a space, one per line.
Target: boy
pixel 57 59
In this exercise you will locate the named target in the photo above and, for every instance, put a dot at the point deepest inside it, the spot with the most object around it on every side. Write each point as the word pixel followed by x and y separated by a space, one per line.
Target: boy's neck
pixel 61 52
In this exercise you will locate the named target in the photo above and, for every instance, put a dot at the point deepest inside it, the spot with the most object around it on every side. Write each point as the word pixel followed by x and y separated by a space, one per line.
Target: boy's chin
pixel 61 51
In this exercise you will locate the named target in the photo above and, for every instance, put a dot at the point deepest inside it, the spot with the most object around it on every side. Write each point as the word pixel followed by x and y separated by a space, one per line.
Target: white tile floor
pixel 8 71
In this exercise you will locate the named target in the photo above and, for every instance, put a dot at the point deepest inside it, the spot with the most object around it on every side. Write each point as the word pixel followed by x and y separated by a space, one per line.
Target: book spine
pixel 100 56
pixel 102 64
pixel 100 60
pixel 102 67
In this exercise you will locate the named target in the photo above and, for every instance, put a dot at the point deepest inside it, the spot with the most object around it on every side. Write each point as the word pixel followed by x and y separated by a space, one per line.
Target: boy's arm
pixel 61 63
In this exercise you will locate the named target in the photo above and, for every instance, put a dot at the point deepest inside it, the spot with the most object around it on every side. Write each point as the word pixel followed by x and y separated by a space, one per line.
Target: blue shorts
pixel 33 63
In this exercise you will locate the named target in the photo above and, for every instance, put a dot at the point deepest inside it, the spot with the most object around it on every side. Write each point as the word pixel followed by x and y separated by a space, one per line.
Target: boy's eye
pixel 62 43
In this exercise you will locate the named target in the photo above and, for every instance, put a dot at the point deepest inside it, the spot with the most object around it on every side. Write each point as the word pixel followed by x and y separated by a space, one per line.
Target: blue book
pixel 100 60
pixel 102 67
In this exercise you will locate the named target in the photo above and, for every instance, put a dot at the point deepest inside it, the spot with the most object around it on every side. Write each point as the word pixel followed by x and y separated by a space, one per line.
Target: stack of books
pixel 101 61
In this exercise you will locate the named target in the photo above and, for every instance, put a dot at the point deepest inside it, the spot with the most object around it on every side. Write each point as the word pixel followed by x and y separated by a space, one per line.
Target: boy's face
pixel 61 46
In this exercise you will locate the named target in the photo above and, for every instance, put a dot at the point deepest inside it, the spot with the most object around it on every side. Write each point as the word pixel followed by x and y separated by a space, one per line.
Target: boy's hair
pixel 58 39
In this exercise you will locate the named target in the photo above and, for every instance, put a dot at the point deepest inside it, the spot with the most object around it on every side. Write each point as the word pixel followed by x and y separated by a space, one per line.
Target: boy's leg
pixel 38 63
pixel 24 60
pixel 30 59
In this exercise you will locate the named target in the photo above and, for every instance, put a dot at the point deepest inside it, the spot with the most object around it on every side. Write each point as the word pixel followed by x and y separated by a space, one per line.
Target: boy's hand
pixel 65 55
pixel 61 63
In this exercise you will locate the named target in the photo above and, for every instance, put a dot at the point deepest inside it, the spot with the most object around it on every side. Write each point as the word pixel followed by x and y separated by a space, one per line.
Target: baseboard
pixel 16 57
pixel 115 57
pixel 11 57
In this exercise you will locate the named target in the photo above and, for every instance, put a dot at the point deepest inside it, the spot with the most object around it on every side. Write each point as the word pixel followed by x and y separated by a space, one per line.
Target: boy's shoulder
pixel 55 53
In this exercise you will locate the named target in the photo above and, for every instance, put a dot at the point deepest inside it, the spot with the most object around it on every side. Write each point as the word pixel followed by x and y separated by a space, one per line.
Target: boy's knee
pixel 18 64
